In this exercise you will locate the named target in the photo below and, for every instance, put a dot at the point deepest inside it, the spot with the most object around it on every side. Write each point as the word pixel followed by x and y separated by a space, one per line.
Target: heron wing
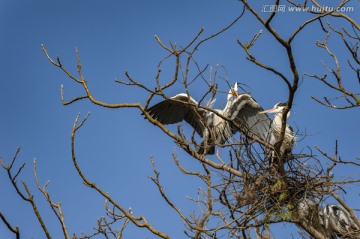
pixel 244 111
pixel 178 108
pixel 343 217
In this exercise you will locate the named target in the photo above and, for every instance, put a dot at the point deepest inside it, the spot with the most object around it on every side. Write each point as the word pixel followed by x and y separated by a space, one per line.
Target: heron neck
pixel 228 103
pixel 278 118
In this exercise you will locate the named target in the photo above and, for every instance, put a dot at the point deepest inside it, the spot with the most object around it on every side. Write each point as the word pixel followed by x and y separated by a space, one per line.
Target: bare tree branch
pixel 15 230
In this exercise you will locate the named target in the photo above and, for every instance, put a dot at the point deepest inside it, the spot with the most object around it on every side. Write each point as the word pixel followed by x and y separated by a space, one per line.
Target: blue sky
pixel 115 146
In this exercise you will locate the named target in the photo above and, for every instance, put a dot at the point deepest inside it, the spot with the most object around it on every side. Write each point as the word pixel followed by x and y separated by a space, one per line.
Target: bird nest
pixel 267 193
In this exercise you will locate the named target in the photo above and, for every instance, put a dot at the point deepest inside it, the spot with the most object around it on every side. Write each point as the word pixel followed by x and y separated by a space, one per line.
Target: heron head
pixel 279 107
pixel 233 92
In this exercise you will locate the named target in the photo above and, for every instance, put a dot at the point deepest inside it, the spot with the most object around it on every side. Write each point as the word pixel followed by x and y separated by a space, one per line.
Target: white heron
pixel 241 110
pixel 337 222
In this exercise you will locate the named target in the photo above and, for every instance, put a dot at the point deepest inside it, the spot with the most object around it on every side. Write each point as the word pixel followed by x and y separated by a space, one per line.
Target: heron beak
pixel 235 90
pixel 236 94
pixel 267 111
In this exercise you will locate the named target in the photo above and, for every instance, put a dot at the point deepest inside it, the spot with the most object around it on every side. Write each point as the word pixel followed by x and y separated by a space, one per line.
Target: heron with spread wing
pixel 216 126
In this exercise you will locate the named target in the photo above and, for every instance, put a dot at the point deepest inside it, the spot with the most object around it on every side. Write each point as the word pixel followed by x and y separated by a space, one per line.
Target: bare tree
pixel 244 194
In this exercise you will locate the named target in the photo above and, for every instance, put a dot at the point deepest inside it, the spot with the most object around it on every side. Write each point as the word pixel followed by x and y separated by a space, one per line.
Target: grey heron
pixel 289 137
pixel 306 207
pixel 337 222
pixel 216 126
